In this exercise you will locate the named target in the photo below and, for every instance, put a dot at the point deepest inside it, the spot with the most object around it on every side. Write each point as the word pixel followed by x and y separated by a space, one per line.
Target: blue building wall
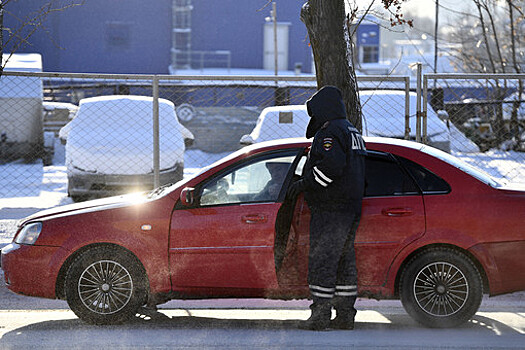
pixel 134 36
pixel 103 36
pixel 238 26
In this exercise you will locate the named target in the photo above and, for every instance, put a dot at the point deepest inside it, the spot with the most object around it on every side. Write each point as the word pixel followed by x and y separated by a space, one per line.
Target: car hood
pixel 89 206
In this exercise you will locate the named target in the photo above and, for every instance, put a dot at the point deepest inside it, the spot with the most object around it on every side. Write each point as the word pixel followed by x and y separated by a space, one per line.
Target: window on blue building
pixel 370 54
pixel 118 35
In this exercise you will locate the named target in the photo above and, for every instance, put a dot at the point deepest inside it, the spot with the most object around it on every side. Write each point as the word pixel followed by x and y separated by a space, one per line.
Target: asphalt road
pixel 32 323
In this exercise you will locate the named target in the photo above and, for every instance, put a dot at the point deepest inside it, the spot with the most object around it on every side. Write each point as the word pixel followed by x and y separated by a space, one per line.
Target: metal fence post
pixel 425 104
pixel 418 105
pixel 407 108
pixel 156 151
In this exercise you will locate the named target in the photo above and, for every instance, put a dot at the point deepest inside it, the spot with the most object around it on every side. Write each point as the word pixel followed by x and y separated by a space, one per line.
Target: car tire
pixel 441 288
pixel 106 285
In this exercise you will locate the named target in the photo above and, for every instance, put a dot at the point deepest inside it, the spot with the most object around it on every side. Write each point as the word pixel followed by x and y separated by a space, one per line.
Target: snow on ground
pixel 28 188
pixel 508 166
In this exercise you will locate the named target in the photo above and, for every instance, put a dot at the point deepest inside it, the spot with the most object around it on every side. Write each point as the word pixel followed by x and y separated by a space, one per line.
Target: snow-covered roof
pixel 22 62
pixel 22 87
pixel 404 66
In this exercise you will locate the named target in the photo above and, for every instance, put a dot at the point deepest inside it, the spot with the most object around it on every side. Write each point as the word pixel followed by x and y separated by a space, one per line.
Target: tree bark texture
pixel 329 38
pixel 1 37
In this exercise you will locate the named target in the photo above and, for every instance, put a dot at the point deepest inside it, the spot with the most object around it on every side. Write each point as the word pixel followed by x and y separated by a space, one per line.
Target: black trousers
pixel 332 271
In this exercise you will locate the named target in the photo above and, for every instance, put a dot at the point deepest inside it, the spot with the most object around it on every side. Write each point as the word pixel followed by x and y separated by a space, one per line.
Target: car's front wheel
pixel 105 285
pixel 441 288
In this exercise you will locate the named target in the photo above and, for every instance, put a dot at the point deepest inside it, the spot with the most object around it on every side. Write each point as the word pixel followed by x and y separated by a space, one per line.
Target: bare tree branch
pixel 28 26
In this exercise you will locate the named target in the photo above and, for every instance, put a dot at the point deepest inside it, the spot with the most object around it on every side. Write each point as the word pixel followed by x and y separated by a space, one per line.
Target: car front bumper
pixel 103 185
pixel 31 270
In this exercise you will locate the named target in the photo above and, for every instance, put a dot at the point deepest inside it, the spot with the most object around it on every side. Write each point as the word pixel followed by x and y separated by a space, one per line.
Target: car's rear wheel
pixel 441 288
pixel 105 285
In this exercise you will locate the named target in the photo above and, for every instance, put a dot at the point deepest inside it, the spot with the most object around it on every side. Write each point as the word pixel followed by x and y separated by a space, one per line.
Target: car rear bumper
pixel 504 265
pixel 102 185
pixel 30 270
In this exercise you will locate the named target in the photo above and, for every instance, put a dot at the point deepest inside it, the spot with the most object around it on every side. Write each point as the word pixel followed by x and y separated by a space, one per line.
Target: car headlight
pixel 29 233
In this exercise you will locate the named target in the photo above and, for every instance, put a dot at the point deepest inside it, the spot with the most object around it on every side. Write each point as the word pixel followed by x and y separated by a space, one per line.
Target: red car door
pixel 224 246
pixel 393 216
pixel 227 239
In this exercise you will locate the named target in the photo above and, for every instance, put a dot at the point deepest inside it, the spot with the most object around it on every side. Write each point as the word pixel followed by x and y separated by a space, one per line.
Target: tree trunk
pixel 1 37
pixel 331 46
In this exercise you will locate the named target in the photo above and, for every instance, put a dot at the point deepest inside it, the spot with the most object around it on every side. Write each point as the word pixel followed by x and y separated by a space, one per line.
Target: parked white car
pixel 109 148
pixel 383 115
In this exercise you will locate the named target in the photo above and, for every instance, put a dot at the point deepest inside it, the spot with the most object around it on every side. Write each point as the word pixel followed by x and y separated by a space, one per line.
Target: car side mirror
pixel 186 196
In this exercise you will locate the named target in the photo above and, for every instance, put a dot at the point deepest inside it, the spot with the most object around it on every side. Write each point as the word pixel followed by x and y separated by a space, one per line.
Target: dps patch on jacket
pixel 327 143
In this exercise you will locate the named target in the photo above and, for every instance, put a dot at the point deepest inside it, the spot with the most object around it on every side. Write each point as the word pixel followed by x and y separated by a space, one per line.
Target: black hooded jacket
pixel 334 174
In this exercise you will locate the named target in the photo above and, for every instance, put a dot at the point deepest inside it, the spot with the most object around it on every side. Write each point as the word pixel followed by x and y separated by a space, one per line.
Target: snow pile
pixel 384 115
pixel 112 135
pixel 17 86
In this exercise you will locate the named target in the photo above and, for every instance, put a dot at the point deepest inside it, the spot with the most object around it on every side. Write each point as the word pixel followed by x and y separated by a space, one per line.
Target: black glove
pixel 296 188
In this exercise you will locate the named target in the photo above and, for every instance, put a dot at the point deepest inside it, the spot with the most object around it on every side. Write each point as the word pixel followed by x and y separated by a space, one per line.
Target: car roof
pixel 304 142
pixel 378 142
pixel 425 149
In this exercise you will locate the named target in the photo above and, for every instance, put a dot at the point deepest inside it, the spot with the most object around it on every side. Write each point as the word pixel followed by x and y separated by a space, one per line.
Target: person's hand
pixel 295 189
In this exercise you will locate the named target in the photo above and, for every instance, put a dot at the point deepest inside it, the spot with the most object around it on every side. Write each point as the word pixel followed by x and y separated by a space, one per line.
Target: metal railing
pixel 194 59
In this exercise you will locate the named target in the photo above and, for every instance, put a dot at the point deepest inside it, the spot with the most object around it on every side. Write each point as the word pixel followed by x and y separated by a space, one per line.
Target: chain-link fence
pixel 97 134
pixel 487 110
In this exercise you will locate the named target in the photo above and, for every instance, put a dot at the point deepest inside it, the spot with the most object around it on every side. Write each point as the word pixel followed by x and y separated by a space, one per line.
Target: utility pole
pixel 436 31
pixel 1 37
pixel 276 54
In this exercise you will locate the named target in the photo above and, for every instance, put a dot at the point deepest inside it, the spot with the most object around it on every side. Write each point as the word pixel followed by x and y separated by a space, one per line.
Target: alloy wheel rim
pixel 441 289
pixel 105 287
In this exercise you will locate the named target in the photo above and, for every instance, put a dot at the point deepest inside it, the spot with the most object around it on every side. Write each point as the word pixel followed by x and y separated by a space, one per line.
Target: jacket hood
pixel 325 105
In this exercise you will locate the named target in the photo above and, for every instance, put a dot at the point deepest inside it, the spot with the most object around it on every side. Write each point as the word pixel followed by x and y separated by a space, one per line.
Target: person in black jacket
pixel 333 181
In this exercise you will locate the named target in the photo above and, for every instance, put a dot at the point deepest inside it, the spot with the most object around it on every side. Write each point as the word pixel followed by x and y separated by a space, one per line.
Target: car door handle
pixel 397 212
pixel 255 218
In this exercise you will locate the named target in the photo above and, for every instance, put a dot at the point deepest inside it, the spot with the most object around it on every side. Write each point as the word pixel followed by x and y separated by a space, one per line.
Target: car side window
pixel 259 181
pixel 429 182
pixel 385 178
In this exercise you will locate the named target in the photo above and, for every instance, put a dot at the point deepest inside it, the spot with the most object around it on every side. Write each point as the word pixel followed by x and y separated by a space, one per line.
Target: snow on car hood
pixel 97 204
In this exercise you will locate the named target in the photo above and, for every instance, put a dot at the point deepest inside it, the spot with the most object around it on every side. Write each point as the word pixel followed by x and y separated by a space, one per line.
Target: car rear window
pixel 385 178
pixel 429 182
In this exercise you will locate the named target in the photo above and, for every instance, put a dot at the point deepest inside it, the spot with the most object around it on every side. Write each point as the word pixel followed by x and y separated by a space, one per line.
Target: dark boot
pixel 345 313
pixel 343 321
pixel 320 318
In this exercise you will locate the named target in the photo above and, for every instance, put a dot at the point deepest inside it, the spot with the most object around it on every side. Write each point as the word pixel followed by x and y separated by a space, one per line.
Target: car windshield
pixel 165 189
pixel 225 159
pixel 463 166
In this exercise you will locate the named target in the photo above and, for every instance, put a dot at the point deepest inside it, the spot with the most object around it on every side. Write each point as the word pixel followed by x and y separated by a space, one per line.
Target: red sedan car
pixel 435 233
